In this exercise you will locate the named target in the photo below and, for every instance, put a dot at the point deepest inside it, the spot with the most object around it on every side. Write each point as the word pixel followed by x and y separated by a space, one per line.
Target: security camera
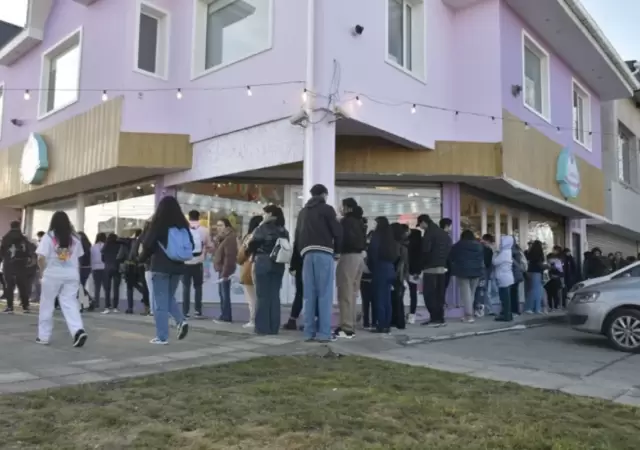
pixel 357 30
pixel 16 122
pixel 301 118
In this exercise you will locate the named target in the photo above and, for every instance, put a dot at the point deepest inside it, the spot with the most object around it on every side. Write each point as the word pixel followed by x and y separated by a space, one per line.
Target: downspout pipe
pixel 307 161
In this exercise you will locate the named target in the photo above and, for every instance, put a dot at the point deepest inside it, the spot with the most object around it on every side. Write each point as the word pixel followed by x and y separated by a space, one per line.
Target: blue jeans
pixel 267 277
pixel 382 281
pixel 318 280
pixel 534 296
pixel 224 290
pixel 164 287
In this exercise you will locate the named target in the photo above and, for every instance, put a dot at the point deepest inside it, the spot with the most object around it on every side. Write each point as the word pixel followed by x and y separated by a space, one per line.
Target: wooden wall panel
pixel 531 158
pixel 166 151
pixel 378 156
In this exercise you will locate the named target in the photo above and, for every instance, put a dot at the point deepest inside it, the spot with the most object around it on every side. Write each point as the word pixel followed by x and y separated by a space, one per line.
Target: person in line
pixel 401 266
pixel 436 245
pixel 267 271
pixel 447 225
pixel 536 265
pixel 570 270
pixel 134 274
pixel 147 268
pixel 194 269
pixel 414 247
pixel 503 269
pixel 97 269
pixel 599 265
pixel 553 287
pixel 319 237
pixel 35 284
pixel 381 257
pixel 58 253
pixel 167 245
pixel 483 295
pixel 225 261
pixel 112 276
pixel 85 268
pixel 17 253
pixel 349 267
pixel 246 269
pixel 468 267
pixel 520 267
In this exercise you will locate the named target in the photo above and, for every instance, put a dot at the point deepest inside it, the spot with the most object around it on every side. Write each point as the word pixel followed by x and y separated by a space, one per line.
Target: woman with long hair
pixel 163 246
pixel 381 257
pixel 85 264
pixel 113 277
pixel 147 269
pixel 267 273
pixel 225 262
pixel 97 269
pixel 246 278
pixel 401 266
pixel 536 265
pixel 58 258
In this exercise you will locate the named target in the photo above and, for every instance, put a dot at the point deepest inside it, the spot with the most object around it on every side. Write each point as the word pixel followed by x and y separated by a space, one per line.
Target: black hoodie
pixel 17 251
pixel 318 228
pixel 354 237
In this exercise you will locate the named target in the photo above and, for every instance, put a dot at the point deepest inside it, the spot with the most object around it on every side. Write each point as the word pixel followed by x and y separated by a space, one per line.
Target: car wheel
pixel 623 330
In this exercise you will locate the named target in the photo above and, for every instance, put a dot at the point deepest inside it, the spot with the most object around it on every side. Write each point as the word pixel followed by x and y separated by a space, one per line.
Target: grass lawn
pixel 313 403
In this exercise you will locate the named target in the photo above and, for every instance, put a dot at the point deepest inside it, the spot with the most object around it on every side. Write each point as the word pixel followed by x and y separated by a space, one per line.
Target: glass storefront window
pixel 42 214
pixel 549 230
pixel 470 213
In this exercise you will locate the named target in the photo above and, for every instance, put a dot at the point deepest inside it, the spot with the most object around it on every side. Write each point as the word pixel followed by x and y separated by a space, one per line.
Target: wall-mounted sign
pixel 568 175
pixel 35 162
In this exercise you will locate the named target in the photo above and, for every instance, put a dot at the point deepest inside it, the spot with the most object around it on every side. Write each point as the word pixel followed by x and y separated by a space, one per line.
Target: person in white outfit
pixel 58 253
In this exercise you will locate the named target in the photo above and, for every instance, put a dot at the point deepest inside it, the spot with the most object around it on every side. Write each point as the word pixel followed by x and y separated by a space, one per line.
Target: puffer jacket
pixel 503 263
pixel 436 245
pixel 467 259
pixel 265 237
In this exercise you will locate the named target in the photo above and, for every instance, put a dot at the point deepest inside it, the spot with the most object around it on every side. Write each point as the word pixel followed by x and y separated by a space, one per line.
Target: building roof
pixel 7 32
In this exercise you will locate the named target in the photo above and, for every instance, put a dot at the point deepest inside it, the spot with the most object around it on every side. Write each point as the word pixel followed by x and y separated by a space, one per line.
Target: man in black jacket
pixel 319 238
pixel 436 245
pixel 18 255
pixel 350 266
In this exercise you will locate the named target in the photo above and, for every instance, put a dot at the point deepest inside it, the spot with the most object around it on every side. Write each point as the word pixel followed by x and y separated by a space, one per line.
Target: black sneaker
pixel 290 325
pixel 129 311
pixel 198 315
pixel 344 334
pixel 332 338
pixel 183 330
pixel 80 338
pixel 187 315
pixel 7 310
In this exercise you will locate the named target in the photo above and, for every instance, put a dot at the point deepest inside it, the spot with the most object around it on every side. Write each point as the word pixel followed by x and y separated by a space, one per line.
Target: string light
pixel 413 109
pixel 249 93
pixel 305 96
pixel 105 97
pixel 27 95
pixel 179 94
pixel 526 125
pixel 358 101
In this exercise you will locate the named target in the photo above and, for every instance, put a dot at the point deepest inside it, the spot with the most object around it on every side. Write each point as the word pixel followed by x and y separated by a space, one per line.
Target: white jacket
pixel 503 262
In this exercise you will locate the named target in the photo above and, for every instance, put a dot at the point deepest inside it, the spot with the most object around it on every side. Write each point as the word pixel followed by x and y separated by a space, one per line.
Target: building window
pixel 406 35
pixel 228 31
pixel 152 46
pixel 61 74
pixel 536 77
pixel 581 116
pixel 624 158
pixel 1 108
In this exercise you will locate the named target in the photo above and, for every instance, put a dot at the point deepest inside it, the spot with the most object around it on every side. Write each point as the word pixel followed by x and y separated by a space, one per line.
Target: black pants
pixel 112 284
pixel 20 279
pixel 98 284
pixel 193 274
pixel 268 281
pixel 369 315
pixel 296 308
pixel 413 294
pixel 4 285
pixel 397 306
pixel 136 281
pixel 554 290
pixel 514 298
pixel 434 292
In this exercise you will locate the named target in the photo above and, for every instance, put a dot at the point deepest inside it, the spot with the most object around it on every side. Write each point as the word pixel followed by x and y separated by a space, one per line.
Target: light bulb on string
pixel 413 109
pixel 179 94
pixel 305 96
pixel 27 95
pixel 526 126
pixel 105 97
pixel 358 101
pixel 249 93
pixel 558 130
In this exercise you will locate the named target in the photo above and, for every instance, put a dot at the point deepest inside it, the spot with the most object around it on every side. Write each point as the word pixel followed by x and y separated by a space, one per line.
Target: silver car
pixel 611 308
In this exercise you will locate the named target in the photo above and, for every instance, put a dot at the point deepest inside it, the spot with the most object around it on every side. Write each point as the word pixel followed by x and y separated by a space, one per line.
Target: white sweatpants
pixel 147 276
pixel 67 292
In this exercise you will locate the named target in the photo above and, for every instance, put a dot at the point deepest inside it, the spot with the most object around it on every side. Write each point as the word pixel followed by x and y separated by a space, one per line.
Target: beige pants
pixel 348 275
pixel 467 289
pixel 250 295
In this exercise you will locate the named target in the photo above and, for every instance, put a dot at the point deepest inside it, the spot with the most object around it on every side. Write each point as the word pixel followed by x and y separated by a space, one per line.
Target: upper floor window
pixel 152 45
pixel 536 77
pixel 228 31
pixel 624 157
pixel 60 81
pixel 406 35
pixel 581 116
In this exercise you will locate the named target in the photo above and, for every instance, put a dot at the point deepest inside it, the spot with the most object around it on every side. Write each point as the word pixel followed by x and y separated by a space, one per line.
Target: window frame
pixel 59 48
pixel 419 17
pixel 163 45
pixel 3 96
pixel 624 134
pixel 199 38
pixel 587 132
pixel 529 42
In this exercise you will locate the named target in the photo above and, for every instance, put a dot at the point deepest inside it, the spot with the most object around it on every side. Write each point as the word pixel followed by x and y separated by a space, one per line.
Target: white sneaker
pixel 411 319
pixel 479 312
pixel 528 312
pixel 249 325
pixel 468 320
pixel 157 341
pixel 113 310
pixel 106 311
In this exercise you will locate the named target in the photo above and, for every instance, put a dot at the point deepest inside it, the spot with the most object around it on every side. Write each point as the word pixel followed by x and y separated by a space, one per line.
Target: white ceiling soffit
pixel 460 4
pixel 31 36
pixel 566 27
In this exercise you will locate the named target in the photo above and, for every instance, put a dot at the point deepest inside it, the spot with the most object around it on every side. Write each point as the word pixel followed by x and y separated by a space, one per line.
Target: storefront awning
pixel 515 190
